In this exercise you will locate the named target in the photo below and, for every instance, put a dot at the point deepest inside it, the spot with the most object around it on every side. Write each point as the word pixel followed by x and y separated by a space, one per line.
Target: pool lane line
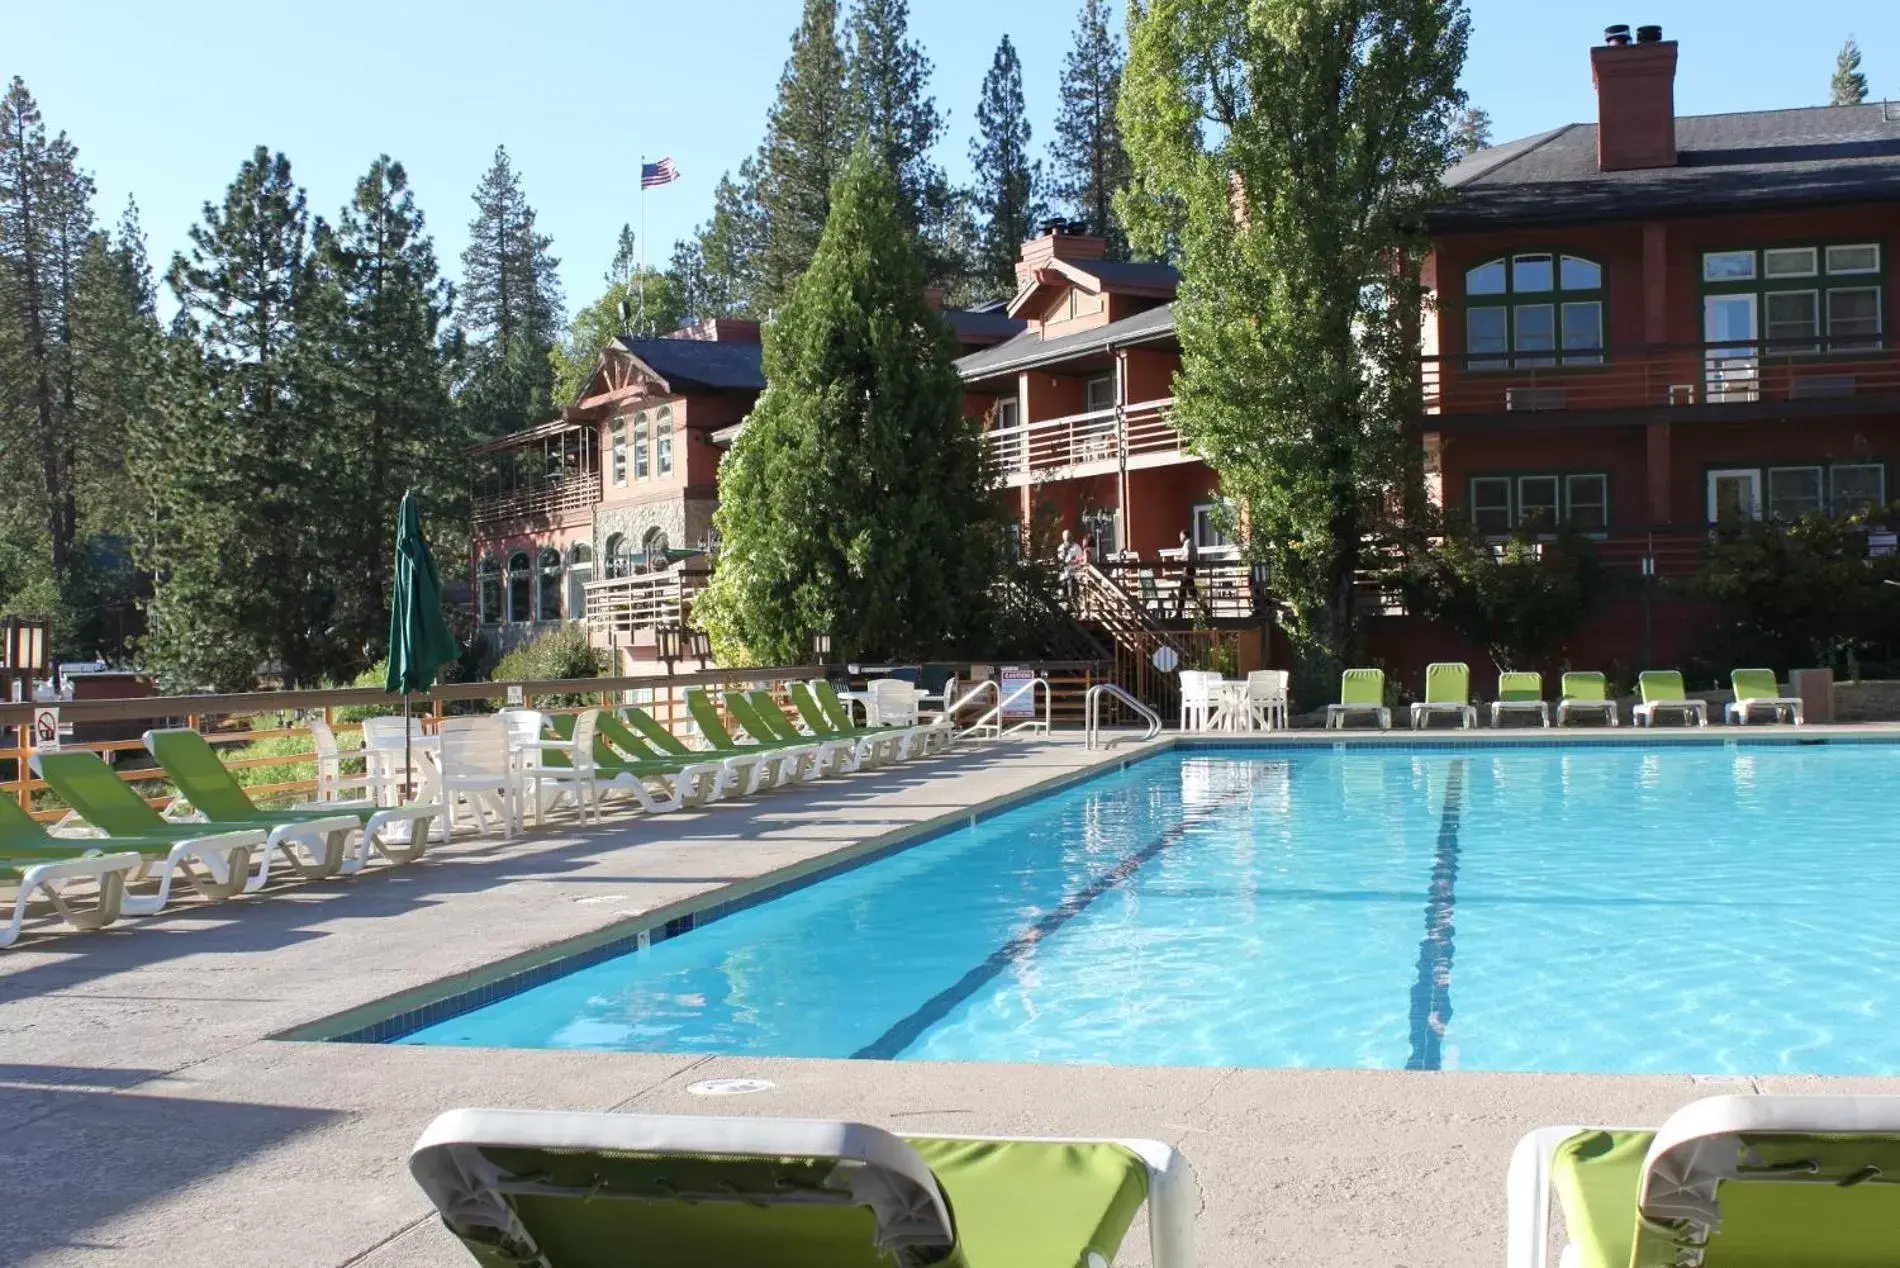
pixel 1431 992
pixel 908 1030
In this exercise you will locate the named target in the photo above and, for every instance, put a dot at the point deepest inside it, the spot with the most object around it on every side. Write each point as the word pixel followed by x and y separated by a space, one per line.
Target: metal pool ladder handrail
pixel 1092 713
pixel 992 722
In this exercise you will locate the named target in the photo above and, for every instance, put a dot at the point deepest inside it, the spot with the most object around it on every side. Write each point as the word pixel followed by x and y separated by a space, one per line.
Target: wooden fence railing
pixel 237 722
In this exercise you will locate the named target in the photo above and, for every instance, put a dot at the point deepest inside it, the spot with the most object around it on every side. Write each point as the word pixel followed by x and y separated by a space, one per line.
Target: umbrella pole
pixel 408 758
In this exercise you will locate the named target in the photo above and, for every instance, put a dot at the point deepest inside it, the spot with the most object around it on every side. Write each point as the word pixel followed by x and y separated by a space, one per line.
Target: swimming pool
pixel 1704 908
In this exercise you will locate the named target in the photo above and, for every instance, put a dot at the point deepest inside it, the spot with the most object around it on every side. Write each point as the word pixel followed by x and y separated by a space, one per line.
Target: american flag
pixel 653 175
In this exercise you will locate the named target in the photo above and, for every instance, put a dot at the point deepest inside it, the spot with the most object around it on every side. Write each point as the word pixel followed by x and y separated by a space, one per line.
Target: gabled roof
pixel 1027 349
pixel 1121 277
pixel 1763 158
pixel 983 325
pixel 686 365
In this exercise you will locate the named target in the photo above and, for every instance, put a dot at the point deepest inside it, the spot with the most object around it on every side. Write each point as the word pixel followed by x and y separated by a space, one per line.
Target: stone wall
pixel 1867 701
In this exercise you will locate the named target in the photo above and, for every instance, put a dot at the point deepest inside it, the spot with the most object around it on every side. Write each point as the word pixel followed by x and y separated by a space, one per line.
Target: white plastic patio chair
pixel 1198 702
pixel 375 785
pixel 477 769
pixel 547 785
pixel 893 702
pixel 1267 699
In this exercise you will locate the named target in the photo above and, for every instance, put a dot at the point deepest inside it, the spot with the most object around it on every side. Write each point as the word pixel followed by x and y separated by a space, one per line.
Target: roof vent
pixel 1649 35
pixel 1618 34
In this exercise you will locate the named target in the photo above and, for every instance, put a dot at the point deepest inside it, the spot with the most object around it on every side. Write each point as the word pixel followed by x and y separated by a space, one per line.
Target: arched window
pixel 580 571
pixel 663 440
pixel 488 574
pixel 1534 309
pixel 653 547
pixel 619 556
pixel 548 587
pixel 640 446
pixel 520 594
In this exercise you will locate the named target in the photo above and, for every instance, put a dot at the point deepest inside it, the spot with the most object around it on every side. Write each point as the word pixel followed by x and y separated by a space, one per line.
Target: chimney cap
pixel 1649 35
pixel 1618 34
pixel 1055 225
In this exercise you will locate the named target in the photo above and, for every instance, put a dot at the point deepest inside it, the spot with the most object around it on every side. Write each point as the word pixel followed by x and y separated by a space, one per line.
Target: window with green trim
pixel 1534 309
pixel 1540 501
pixel 1840 488
pixel 1814 299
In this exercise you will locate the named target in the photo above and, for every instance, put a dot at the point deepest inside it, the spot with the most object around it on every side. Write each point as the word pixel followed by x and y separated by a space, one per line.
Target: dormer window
pixel 1533 310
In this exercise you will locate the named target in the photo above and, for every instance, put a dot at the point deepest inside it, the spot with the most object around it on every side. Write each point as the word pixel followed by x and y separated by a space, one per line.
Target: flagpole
pixel 643 243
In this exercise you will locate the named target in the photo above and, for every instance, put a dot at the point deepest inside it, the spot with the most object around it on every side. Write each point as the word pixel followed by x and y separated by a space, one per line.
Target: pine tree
pixel 891 106
pixel 698 290
pixel 1087 162
pixel 237 462
pixel 1849 85
pixel 1299 368
pixel 511 308
pixel 390 427
pixel 1470 131
pixel 852 504
pixel 727 253
pixel 1006 180
pixel 779 207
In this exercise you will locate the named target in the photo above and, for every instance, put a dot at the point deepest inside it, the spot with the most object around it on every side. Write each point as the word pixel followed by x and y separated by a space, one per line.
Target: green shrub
pixel 1522 598
pixel 560 653
pixel 374 676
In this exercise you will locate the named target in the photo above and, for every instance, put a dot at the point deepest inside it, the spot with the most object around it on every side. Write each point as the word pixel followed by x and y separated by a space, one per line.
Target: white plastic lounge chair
pixel 1360 691
pixel 1781 1180
pixel 1520 691
pixel 587 1190
pixel 1585 692
pixel 1662 689
pixel 1447 690
pixel 1757 689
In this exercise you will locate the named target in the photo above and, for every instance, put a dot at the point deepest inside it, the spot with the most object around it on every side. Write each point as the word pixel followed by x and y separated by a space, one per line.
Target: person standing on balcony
pixel 1190 556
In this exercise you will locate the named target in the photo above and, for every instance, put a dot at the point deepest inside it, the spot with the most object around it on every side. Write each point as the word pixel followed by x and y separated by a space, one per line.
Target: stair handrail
pixel 1092 712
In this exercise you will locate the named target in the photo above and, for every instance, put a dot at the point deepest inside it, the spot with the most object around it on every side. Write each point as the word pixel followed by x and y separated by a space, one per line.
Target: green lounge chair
pixel 871 746
pixel 1587 692
pixel 216 863
pixel 1520 691
pixel 913 740
pixel 778 764
pixel 48 865
pixel 836 755
pixel 589 1190
pixel 665 785
pixel 1737 1180
pixel 1663 689
pixel 736 769
pixel 1757 689
pixel 1447 690
pixel 1360 691
pixel 322 832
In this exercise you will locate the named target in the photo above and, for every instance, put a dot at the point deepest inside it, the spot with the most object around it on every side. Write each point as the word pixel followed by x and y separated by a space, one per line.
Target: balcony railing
pixel 575 494
pixel 1812 372
pixel 1081 444
pixel 624 609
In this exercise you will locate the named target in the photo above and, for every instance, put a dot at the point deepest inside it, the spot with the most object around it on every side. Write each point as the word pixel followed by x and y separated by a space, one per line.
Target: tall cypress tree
pixel 852 503
pixel 1087 163
pixel 1006 179
pixel 1849 85
pixel 511 308
pixel 807 138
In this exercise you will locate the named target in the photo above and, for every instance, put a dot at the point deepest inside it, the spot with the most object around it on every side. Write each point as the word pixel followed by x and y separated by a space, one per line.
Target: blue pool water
pixel 1705 909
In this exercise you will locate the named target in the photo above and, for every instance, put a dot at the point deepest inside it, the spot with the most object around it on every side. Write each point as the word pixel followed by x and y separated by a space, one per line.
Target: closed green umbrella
pixel 419 639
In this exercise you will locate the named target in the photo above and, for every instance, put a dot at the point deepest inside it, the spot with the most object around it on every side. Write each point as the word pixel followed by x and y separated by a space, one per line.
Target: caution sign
pixel 46 728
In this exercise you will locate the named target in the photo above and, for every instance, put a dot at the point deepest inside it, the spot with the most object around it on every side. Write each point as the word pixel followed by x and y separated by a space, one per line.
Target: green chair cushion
pixel 1596 1176
pixel 104 800
pixel 1448 683
pixel 1587 686
pixel 1661 686
pixel 205 782
pixel 1754 684
pixel 662 740
pixel 1520 686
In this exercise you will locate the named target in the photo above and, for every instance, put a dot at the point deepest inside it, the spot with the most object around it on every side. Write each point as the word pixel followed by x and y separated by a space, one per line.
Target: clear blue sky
pixel 165 100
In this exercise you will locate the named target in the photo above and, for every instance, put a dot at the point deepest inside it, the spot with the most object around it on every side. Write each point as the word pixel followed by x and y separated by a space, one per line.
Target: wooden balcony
pixel 548 500
pixel 1664 383
pixel 1091 443
pixel 626 610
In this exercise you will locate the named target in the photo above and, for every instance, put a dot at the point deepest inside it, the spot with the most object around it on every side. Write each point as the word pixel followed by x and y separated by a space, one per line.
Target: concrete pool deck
pixel 149 1117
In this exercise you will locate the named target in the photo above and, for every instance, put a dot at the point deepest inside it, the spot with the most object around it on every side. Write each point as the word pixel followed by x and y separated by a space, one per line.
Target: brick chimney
pixel 1636 99
pixel 1060 240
